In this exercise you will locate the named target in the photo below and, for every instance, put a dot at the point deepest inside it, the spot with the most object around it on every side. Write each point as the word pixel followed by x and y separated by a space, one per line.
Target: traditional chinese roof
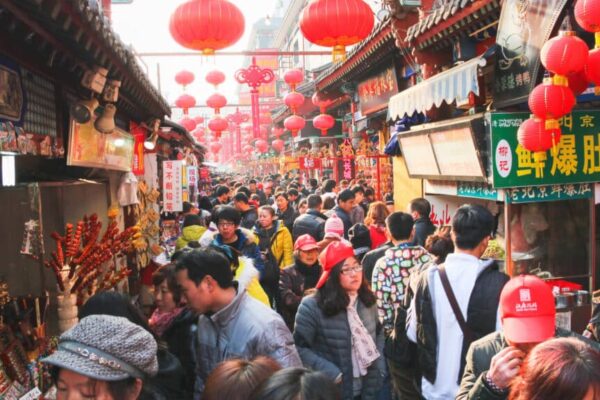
pixel 456 17
pixel 179 134
pixel 72 36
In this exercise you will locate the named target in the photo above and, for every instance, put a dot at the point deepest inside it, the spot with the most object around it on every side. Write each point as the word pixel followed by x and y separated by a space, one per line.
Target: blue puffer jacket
pixel 324 344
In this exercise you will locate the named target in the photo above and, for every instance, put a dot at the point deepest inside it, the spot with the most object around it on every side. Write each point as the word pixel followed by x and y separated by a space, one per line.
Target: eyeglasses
pixel 225 224
pixel 349 271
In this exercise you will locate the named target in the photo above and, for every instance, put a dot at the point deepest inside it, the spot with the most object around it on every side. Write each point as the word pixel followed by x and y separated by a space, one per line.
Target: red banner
pixel 309 163
pixel 139 136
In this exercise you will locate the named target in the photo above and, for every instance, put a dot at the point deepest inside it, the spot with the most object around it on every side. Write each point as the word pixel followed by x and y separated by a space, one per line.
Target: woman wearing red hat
pixel 337 331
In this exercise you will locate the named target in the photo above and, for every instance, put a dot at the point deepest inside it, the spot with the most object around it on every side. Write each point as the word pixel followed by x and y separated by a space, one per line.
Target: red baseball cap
pixel 306 243
pixel 333 254
pixel 527 310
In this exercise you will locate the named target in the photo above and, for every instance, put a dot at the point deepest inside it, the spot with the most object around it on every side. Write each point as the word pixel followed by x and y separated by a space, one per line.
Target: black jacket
pixel 249 218
pixel 293 282
pixel 423 228
pixel 179 337
pixel 312 222
pixel 288 217
pixel 169 382
pixel 345 217
pixel 371 258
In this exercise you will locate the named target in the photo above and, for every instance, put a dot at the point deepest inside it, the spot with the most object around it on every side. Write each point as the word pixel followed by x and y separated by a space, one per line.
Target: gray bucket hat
pixel 106 348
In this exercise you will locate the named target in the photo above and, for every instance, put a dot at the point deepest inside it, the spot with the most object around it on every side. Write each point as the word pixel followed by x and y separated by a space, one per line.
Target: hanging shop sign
pixel 577 157
pixel 448 150
pixel 172 186
pixel 192 176
pixel 524 26
pixel 346 169
pixel 139 136
pixel 375 92
pixel 531 194
pixel 309 163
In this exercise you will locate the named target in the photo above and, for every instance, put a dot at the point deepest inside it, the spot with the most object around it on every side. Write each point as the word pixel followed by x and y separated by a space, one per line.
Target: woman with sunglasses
pixel 337 331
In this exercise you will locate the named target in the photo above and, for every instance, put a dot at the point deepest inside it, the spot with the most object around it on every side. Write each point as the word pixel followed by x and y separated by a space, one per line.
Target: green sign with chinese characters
pixel 570 191
pixel 575 160
pixel 478 190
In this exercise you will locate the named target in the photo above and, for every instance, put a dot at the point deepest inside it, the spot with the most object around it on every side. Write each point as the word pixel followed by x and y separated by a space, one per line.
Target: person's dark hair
pixel 221 190
pixel 400 225
pixel 302 203
pixel 471 224
pixel 328 203
pixel 241 196
pixel 193 244
pixel 177 253
pixel 252 181
pixel 236 379
pixel 255 197
pixel 328 185
pixel 346 195
pixel 244 190
pixel 192 219
pixel 333 299
pixel 297 384
pixel 202 262
pixel 344 182
pixel 293 192
pixel 204 203
pixel 121 389
pixel 167 273
pixel 369 192
pixel 282 194
pixel 440 244
pixel 313 182
pixel 314 201
pixel 557 369
pixel 358 189
pixel 226 213
pixel 187 206
pixel 421 206
pixel 268 209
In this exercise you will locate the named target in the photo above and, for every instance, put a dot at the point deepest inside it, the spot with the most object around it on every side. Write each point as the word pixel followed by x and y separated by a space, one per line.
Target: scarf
pixel 161 321
pixel 311 273
pixel 364 350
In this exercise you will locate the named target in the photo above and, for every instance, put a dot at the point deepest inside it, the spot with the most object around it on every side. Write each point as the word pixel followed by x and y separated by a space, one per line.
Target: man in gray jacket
pixel 231 323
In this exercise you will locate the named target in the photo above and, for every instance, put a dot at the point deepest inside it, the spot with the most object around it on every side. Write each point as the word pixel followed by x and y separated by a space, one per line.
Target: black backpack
pixel 270 276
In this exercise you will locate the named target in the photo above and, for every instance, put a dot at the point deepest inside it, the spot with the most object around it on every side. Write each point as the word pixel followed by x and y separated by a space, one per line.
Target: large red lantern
pixel 534 136
pixel 188 123
pixel 587 14
pixel 578 82
pixel 199 119
pixel 323 122
pixel 261 145
pixel 215 77
pixel 278 145
pixel 207 25
pixel 217 124
pixel 185 101
pixel 294 100
pixel 293 77
pixel 551 101
pixel 592 68
pixel 336 23
pixel 184 78
pixel 294 123
pixel 564 54
pixel 216 101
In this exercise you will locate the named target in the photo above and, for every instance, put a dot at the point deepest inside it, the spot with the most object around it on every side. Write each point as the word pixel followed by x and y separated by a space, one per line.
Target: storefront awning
pixel 451 85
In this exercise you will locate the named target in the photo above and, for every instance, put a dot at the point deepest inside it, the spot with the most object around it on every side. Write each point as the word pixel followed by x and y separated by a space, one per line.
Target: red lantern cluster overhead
pixel 185 102
pixel 336 23
pixel 261 145
pixel 207 25
pixel 217 124
pixel 535 136
pixel 293 100
pixel 587 14
pixel 184 78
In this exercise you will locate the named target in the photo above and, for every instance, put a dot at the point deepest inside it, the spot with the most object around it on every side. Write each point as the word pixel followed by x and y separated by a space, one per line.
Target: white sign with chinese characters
pixel 503 158
pixel 192 176
pixel 172 186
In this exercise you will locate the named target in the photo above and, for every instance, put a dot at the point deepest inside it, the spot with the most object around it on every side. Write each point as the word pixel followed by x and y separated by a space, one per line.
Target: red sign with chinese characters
pixel 309 163
pixel 172 186
pixel 139 136
pixel 375 92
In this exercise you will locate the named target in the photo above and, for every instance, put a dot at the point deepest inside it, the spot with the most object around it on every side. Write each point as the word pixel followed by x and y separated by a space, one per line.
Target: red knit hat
pixel 334 253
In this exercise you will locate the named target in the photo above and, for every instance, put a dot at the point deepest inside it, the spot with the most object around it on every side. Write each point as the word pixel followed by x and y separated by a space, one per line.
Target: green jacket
pixel 479 359
pixel 189 234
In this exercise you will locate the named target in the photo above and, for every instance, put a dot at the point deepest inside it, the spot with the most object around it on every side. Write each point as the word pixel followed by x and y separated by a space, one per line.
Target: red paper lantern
pixel 207 25
pixel 185 101
pixel 587 14
pixel 184 78
pixel 216 101
pixel 199 119
pixel 293 77
pixel 592 68
pixel 319 101
pixel 278 131
pixel 551 101
pixel 215 147
pixel 323 122
pixel 278 145
pixel 217 124
pixel 188 123
pixel 564 54
pixel 578 82
pixel 534 136
pixel 294 100
pixel 261 145
pixel 336 23
pixel 215 77
pixel 294 123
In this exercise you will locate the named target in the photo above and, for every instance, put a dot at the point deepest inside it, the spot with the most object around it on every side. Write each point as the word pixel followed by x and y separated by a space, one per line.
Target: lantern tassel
pixel 551 124
pixel 339 53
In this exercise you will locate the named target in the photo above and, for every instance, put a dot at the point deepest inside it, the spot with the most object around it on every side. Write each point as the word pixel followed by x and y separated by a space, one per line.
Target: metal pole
pixel 235 53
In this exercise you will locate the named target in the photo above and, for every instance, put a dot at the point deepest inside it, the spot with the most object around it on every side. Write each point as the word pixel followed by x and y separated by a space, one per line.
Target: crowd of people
pixel 283 291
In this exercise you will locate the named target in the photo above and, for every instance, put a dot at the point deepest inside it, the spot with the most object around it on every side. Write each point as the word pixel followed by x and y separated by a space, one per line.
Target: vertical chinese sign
pixel 576 160
pixel 375 92
pixel 172 186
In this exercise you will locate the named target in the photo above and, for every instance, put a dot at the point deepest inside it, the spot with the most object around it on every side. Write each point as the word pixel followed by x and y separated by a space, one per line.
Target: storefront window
pixel 552 240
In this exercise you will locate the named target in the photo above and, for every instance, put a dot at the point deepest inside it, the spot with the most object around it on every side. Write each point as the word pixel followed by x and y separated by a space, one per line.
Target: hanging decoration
pixel 184 78
pixel 185 102
pixel 294 100
pixel 324 122
pixel 254 76
pixel 294 123
pixel 199 119
pixel 337 24
pixel 217 124
pixel 293 77
pixel 278 131
pixel 319 101
pixel 261 145
pixel 207 25
pixel 216 101
pixel 188 123
pixel 278 145
pixel 215 78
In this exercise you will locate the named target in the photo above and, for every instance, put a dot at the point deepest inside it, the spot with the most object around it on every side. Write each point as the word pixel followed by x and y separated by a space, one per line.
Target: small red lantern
pixel 587 14
pixel 336 23
pixel 207 25
pixel 261 145
pixel 278 131
pixel 185 101
pixel 293 77
pixel 534 136
pixel 278 145
pixel 215 77
pixel 217 124
pixel 216 101
pixel 324 122
pixel 215 147
pixel 199 119
pixel 551 101
pixel 564 54
pixel 294 123
pixel 188 123
pixel 294 100
pixel 184 78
